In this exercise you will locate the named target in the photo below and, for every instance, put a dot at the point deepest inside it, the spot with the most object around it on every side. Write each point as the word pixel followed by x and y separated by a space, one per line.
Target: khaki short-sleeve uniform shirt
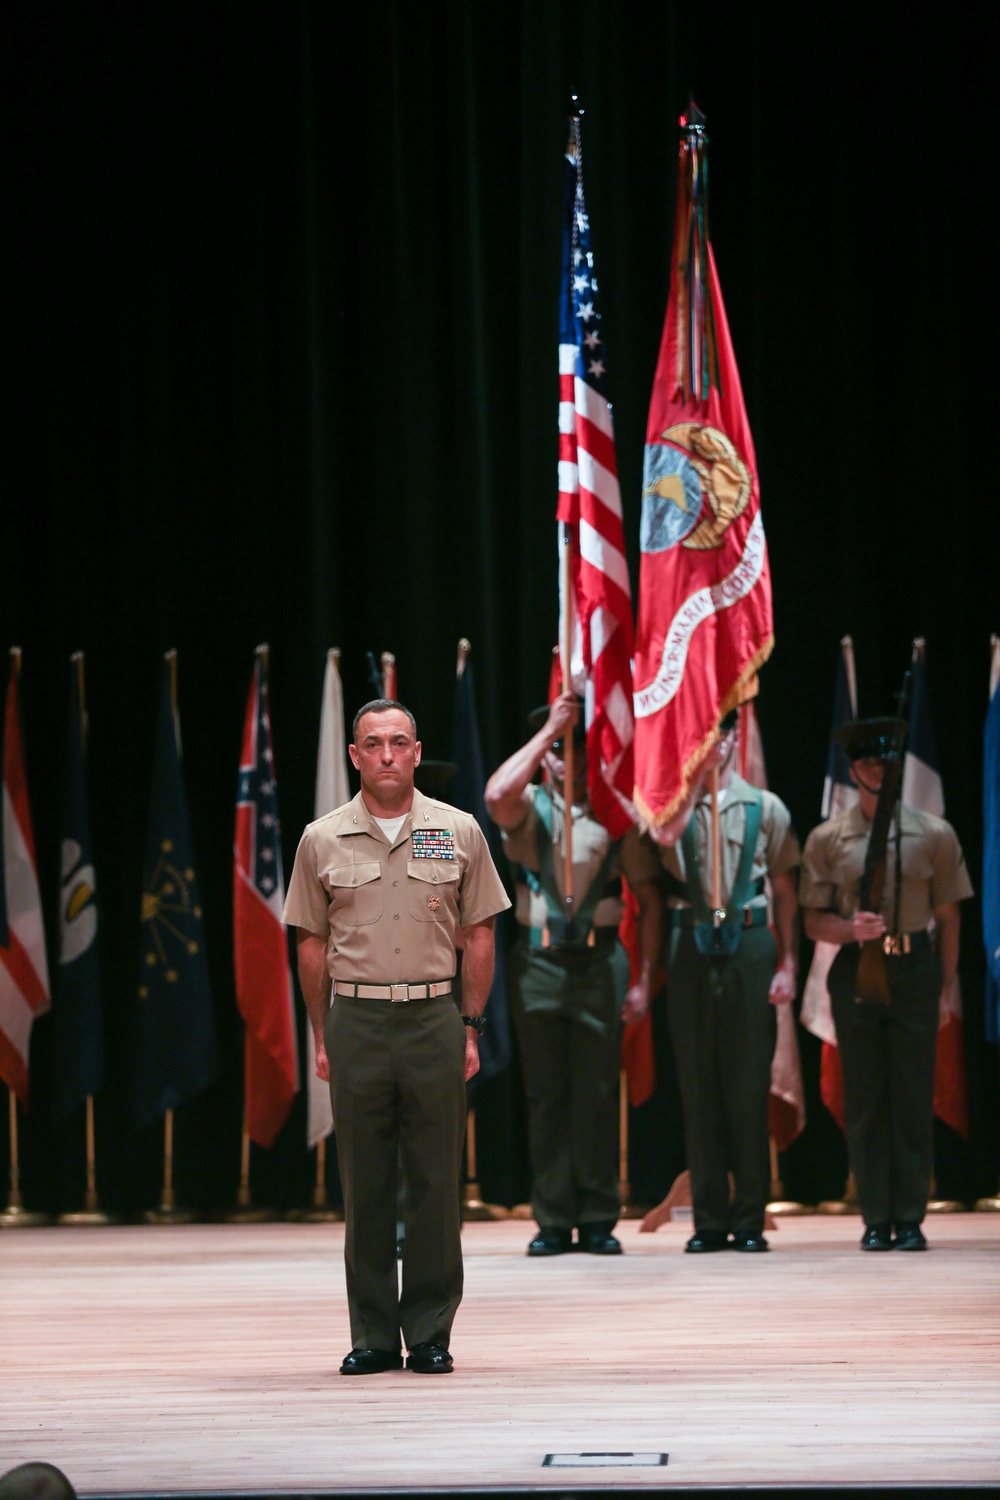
pixel 933 870
pixel 775 853
pixel 590 847
pixel 390 913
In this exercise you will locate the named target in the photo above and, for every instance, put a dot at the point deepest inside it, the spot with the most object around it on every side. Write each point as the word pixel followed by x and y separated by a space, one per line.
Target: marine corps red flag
pixel 263 976
pixel 705 622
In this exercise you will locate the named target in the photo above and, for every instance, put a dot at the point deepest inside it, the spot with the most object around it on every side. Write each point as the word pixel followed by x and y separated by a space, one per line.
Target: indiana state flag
pixel 175 1027
pixel 78 1023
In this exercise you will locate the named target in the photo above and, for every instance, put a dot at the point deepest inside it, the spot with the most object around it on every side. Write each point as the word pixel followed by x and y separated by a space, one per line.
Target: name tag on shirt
pixel 432 843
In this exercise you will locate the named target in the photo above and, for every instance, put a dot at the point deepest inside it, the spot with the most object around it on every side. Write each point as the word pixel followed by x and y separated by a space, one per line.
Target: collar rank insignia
pixel 433 843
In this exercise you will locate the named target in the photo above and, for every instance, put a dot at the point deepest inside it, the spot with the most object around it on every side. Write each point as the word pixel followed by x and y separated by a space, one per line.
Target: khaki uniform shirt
pixel 933 867
pixel 590 846
pixel 776 851
pixel 390 913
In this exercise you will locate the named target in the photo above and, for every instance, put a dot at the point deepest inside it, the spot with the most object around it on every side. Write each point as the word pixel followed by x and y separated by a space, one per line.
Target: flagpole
pixel 388 664
pixel 627 1209
pixel 15 1215
pixel 717 912
pixel 566 643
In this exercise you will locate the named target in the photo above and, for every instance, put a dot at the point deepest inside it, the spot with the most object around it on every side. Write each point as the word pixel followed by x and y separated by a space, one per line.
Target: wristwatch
pixel 478 1023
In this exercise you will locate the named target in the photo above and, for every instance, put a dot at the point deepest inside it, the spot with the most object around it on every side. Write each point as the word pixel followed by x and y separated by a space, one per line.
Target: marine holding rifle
pixel 873 878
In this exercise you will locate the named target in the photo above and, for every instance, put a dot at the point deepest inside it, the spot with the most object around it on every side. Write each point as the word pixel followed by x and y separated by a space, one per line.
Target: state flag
pixel 991 847
pixel 332 791
pixel 839 793
pixel 174 1029
pixel 77 1012
pixel 260 944
pixel 467 791
pixel 923 789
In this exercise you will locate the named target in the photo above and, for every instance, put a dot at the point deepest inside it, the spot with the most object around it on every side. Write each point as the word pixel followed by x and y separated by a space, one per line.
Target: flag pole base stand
pixel 837 1207
pixel 15 1217
pixel 786 1208
pixel 164 1215
pixel 475 1211
pixel 521 1211
pixel 87 1219
pixel 945 1206
pixel 988 1205
pixel 321 1214
pixel 633 1211
pixel 250 1216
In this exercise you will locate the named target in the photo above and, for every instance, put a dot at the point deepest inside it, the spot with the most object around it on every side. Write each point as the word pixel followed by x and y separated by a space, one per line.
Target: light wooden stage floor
pixel 204 1359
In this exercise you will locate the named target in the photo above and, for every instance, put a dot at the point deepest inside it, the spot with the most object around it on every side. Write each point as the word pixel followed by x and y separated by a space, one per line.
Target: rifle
pixel 872 982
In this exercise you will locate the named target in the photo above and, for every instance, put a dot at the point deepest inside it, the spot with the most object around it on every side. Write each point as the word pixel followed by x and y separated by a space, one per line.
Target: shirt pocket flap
pixel 339 876
pixel 434 871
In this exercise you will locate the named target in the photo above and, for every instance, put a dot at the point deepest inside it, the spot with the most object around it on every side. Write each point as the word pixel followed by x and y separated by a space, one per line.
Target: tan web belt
pixel 392 991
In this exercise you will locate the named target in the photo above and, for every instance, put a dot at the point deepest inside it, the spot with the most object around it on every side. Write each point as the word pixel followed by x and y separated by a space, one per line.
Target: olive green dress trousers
pixel 723 1029
pixel 887 1054
pixel 566 1008
pixel 397 1084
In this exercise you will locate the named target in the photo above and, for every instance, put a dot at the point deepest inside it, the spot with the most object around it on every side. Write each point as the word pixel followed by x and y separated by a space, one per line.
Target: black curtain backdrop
pixel 280 319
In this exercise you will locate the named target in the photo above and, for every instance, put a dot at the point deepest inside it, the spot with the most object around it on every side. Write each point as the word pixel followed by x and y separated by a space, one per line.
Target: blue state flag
pixel 77 1014
pixel 175 1054
pixel 839 791
pixel 467 791
pixel 991 856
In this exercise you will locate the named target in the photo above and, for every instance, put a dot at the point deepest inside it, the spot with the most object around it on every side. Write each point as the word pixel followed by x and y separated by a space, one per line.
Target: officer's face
pixel 555 764
pixel 386 753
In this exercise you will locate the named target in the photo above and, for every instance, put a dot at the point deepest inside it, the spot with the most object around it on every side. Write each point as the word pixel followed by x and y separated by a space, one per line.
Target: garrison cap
pixel 871 739
pixel 538 716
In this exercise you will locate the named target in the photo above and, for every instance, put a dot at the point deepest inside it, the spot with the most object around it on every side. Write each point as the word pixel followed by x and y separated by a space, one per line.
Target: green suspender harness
pixel 723 938
pixel 564 932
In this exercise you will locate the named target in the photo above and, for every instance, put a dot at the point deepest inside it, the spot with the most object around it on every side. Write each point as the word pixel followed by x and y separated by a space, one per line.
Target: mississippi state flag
pixel 24 970
pixel 705 622
pixel 590 508
pixel 263 978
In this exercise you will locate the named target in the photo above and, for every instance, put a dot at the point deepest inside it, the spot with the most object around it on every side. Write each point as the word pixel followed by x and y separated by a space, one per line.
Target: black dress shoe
pixel 430 1359
pixel 597 1239
pixel 877 1237
pixel 371 1361
pixel 909 1237
pixel 551 1241
pixel 703 1241
pixel 752 1243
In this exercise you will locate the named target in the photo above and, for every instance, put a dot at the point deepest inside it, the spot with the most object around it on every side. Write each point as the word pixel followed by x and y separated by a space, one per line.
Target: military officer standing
pixel 721 983
pixel 568 979
pixel 380 890
pixel 887 1051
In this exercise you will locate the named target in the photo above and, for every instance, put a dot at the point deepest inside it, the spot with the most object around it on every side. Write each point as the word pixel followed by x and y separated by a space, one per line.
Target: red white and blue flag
pixel 24 970
pixel 590 510
pixel 263 976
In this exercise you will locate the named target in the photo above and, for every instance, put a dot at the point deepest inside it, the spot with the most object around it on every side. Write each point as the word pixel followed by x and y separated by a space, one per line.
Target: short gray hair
pixel 381 706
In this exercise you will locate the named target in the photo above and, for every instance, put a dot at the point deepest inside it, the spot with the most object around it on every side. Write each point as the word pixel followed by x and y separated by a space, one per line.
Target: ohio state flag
pixel 705 622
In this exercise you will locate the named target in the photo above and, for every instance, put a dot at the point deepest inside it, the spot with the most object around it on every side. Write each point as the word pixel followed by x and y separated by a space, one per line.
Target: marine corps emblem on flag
pixel 703 470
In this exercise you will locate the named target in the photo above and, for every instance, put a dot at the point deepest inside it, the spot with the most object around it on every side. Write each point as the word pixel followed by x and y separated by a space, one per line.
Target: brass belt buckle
pixel 890 945
pixel 399 992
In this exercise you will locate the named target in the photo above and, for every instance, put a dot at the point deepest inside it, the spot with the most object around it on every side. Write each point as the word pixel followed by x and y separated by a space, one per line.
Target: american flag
pixel 590 509
pixel 263 978
pixel 24 973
